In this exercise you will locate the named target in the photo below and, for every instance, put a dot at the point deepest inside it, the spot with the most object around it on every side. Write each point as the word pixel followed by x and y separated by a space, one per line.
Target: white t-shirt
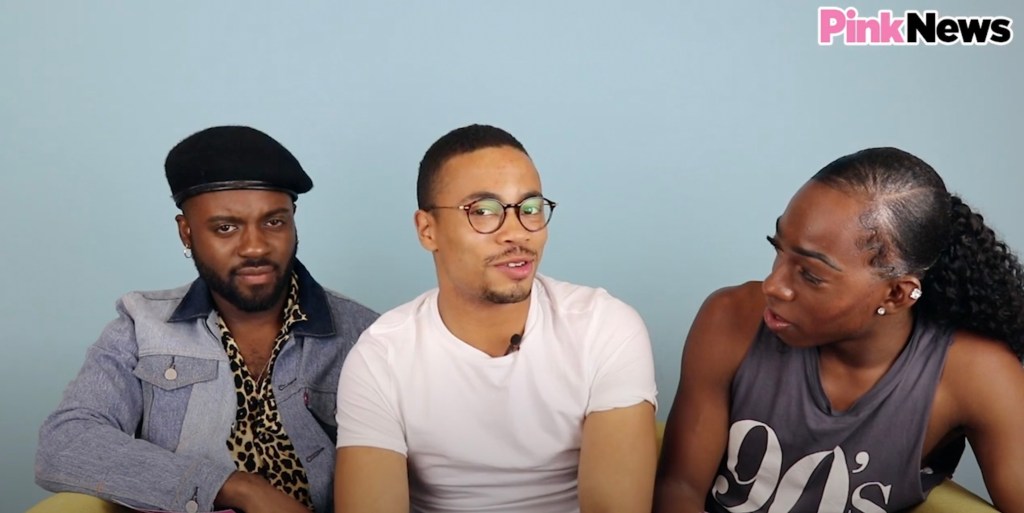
pixel 494 434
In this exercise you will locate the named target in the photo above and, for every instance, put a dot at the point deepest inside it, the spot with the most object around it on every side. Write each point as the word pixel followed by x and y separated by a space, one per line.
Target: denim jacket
pixel 130 431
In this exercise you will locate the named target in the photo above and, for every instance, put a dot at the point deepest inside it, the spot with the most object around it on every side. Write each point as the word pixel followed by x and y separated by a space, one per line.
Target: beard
pixel 518 293
pixel 259 299
pixel 515 295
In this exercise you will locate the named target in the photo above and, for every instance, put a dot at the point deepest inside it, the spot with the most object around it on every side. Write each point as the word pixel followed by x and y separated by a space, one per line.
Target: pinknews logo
pixel 912 29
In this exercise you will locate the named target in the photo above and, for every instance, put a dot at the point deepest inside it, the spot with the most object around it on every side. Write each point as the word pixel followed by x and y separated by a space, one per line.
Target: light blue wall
pixel 671 134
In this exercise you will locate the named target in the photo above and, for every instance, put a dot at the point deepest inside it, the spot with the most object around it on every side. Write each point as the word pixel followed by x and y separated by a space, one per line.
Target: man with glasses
pixel 501 389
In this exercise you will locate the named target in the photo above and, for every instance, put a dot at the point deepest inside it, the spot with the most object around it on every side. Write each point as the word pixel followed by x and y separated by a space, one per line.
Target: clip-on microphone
pixel 513 344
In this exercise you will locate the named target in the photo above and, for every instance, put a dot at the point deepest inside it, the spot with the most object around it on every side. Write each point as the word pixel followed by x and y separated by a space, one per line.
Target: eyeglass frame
pixel 504 210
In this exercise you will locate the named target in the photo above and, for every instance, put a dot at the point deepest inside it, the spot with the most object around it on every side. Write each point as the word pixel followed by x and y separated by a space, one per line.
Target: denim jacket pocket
pixel 170 372
pixel 166 387
pixel 323 406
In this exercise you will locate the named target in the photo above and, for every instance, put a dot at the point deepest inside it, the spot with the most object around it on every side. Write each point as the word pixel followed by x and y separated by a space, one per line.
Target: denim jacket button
pixel 191 506
pixel 171 374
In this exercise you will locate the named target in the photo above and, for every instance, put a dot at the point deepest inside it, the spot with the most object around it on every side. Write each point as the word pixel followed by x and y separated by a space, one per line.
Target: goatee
pixel 516 295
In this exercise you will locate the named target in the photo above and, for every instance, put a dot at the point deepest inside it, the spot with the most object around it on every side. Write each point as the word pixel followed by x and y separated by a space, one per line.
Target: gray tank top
pixel 789 452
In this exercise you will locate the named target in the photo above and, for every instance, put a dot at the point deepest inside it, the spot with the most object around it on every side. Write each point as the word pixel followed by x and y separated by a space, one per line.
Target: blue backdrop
pixel 671 133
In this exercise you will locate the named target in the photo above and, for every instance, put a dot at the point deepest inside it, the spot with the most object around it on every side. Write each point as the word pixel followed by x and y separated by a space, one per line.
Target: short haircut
pixel 457 142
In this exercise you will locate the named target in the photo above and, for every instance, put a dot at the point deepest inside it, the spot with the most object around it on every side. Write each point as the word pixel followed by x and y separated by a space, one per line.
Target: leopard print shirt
pixel 258 442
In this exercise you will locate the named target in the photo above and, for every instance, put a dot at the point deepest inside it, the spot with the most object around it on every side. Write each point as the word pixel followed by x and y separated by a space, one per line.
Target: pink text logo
pixel 849 28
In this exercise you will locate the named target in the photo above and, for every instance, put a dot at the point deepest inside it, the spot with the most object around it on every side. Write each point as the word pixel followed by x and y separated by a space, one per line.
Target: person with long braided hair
pixel 889 331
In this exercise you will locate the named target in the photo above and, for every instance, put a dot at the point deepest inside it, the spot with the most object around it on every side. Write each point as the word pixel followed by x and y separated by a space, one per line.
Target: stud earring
pixel 187 252
pixel 880 311
pixel 916 293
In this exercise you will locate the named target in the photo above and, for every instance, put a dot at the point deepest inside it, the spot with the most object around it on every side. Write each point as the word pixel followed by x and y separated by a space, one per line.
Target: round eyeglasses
pixel 488 214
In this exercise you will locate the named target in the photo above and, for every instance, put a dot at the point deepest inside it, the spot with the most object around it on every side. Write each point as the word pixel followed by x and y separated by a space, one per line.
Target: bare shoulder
pixel 735 310
pixel 972 356
pixel 726 324
pixel 980 371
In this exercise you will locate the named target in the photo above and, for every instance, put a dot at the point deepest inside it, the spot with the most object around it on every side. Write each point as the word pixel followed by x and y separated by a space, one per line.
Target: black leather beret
pixel 232 157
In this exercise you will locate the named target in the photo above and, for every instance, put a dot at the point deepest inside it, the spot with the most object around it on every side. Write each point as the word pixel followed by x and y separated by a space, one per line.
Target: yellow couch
pixel 948 497
pixel 67 502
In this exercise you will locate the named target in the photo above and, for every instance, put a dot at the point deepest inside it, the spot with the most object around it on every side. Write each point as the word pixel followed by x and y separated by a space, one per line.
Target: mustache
pixel 511 252
pixel 254 263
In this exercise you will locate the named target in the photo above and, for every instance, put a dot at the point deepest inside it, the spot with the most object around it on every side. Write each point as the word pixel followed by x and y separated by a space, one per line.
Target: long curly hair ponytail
pixel 971 280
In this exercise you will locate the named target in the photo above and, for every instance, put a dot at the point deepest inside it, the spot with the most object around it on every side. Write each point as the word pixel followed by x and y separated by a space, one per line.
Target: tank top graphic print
pixel 788 451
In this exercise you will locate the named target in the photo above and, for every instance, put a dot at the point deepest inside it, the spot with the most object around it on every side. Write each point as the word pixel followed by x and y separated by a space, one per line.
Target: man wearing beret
pixel 221 393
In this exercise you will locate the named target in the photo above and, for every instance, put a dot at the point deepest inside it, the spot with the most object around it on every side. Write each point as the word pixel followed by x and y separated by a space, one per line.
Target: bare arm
pixel 988 382
pixel 371 470
pixel 617 459
pixel 698 423
pixel 370 480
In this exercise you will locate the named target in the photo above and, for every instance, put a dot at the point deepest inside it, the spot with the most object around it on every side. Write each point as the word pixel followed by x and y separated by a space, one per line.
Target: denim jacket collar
pixel 198 303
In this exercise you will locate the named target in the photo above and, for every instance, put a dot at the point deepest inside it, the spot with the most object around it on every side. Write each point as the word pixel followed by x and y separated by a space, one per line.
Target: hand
pixel 254 494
